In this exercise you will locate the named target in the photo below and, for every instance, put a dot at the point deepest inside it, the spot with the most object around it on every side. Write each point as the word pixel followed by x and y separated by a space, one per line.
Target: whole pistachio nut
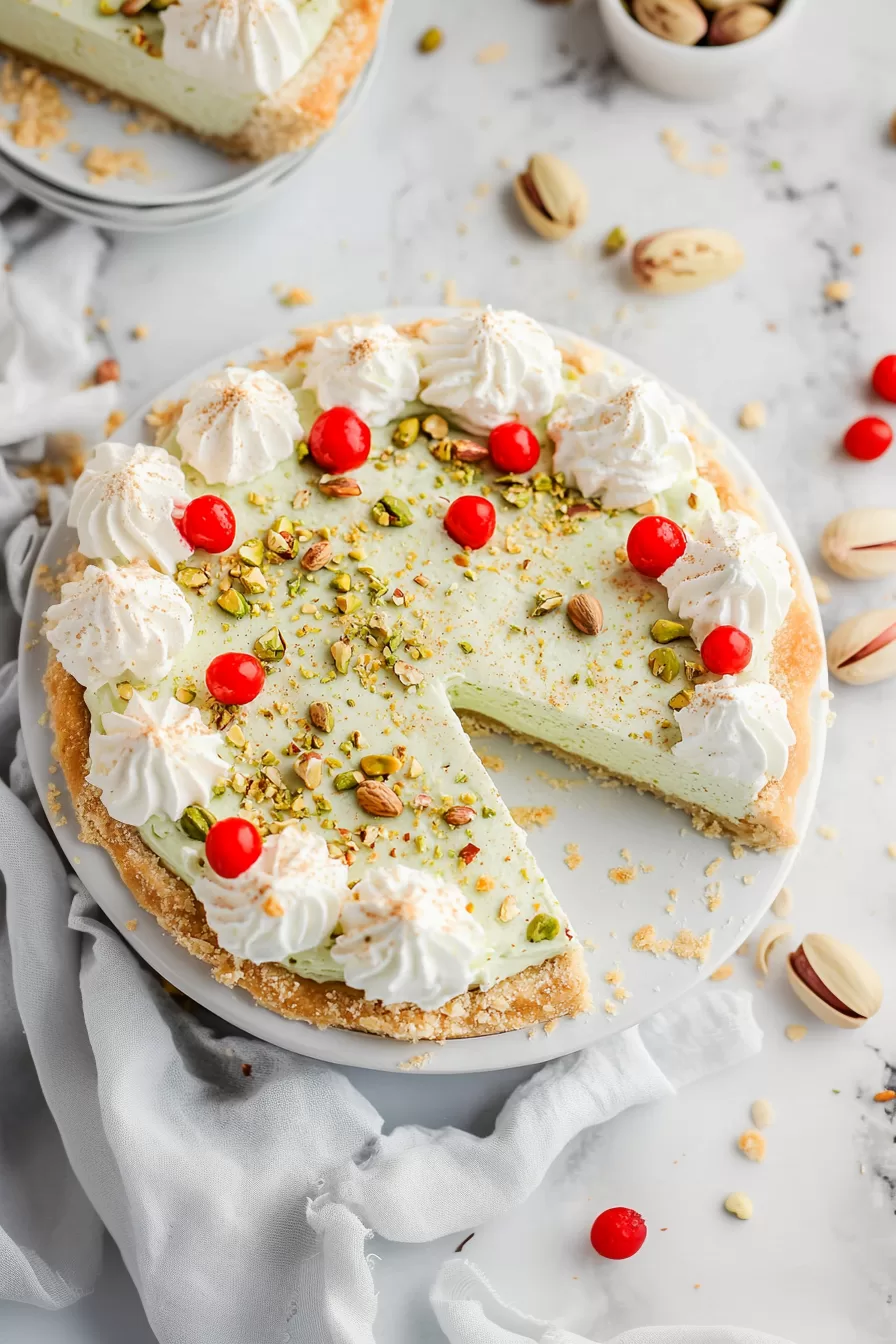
pixel 681 21
pixel 552 197
pixel 677 261
pixel 735 23
pixel 834 981
pixel 863 649
pixel 861 543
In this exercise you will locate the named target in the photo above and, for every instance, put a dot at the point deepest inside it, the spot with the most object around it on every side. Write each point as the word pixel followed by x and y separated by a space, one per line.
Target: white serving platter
pixel 599 821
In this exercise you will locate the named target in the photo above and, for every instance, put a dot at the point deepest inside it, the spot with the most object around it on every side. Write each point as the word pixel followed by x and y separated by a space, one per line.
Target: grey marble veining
pixel 392 210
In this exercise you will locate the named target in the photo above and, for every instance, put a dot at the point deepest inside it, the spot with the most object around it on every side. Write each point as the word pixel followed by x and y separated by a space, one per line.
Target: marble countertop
pixel 412 200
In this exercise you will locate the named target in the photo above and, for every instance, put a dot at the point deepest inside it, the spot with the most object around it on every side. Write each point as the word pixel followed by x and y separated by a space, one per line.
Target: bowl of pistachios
pixel 699 49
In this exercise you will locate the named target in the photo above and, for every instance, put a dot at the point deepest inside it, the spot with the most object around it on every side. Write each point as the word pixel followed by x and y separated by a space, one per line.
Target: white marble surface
pixel 388 213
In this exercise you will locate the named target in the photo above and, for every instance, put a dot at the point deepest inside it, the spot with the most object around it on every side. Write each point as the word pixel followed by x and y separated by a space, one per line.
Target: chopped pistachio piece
pixel 253 581
pixel 682 699
pixel 664 631
pixel 252 551
pixel 233 603
pixel 693 670
pixel 320 712
pixel 406 432
pixel 542 928
pixel 377 766
pixel 547 599
pixel 271 646
pixel 348 779
pixel 341 653
pixel 436 426
pixel 615 241
pixel 191 576
pixel 392 512
pixel 196 821
pixel 664 663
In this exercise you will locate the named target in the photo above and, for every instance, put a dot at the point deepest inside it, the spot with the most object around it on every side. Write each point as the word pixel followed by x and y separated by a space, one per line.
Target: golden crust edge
pixel 291 119
pixel 555 988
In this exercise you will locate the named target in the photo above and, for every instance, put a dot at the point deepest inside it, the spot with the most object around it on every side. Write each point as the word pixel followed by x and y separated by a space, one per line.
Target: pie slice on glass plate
pixel 256 78
pixel 283 614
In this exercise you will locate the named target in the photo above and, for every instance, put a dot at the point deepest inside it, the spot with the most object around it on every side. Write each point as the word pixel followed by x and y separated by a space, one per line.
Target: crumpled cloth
pixel 242 1198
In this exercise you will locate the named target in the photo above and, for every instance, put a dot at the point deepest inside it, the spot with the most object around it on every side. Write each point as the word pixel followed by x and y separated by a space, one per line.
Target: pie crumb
pixel 753 415
pixel 795 1031
pixel 752 1144
pixel 723 973
pixel 416 1062
pixel 131 925
pixel 573 856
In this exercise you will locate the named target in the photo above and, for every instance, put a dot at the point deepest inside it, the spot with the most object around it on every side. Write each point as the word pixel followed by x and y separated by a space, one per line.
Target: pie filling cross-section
pixel 282 614
pixel 255 77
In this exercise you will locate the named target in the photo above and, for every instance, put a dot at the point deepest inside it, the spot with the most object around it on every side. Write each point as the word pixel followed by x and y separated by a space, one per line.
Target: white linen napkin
pixel 240 1182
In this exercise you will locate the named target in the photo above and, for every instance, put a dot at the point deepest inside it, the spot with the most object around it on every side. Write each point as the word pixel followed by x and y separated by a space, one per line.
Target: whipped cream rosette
pixel 111 622
pixel 237 425
pixel 623 443
pixel 732 573
pixel 156 757
pixel 488 367
pixel 288 901
pixel 408 938
pixel 373 370
pixel 124 502
pixel 245 46
pixel 737 730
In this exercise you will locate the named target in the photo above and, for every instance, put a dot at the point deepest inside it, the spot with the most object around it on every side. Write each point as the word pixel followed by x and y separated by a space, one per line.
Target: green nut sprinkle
pixel 406 432
pixel 664 631
pixel 431 40
pixel 548 599
pixel 615 241
pixel 391 512
pixel 233 603
pixel 682 699
pixel 270 647
pixel 196 821
pixel 542 928
pixel 348 779
pixel 252 551
pixel 664 664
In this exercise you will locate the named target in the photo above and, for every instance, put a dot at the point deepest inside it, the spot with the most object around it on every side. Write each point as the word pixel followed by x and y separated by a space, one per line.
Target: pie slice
pixel 254 77
pixel 282 616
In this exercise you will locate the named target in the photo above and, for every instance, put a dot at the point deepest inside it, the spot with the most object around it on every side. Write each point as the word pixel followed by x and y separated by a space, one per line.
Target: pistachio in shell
pixel 681 21
pixel 834 981
pixel 862 650
pixel 552 197
pixel 861 543
pixel 736 23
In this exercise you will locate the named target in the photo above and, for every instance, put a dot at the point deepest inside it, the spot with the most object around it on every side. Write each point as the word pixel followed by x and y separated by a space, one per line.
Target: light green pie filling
pixel 74 35
pixel 469 633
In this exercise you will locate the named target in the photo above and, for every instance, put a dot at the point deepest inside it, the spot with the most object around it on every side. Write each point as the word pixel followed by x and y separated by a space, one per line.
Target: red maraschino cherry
pixel 868 438
pixel 234 678
pixel 654 544
pixel 339 440
pixel 470 521
pixel 208 524
pixel 726 650
pixel 513 447
pixel 618 1233
pixel 232 845
pixel 883 379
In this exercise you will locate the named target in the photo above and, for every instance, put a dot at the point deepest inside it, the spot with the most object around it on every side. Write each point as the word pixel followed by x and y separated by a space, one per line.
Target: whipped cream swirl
pixel 732 573
pixel 489 367
pixel 111 622
pixel 123 505
pixel 373 370
pixel 156 757
pixel 622 442
pixel 237 425
pixel 408 938
pixel 737 730
pixel 241 46
pixel 287 902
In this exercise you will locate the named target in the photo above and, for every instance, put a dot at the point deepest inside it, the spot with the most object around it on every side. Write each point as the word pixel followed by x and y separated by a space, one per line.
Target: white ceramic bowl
pixel 695 72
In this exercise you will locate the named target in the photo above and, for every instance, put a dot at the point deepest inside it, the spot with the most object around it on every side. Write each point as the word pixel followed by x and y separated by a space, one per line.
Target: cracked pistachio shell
pixel 861 543
pixel 863 649
pixel 844 975
pixel 552 197
pixel 681 21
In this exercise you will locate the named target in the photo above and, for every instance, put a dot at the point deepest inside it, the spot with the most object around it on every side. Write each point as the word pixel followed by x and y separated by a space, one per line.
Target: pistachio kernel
pixel 392 512
pixel 405 433
pixel 348 779
pixel 542 928
pixel 320 712
pixel 693 669
pixel 664 663
pixel 430 41
pixel 253 581
pixel 189 576
pixel 547 599
pixel 233 603
pixel 682 698
pixel 436 426
pixel 252 551
pixel 270 647
pixel 615 241
pixel 664 631
pixel 196 821
pixel 378 766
